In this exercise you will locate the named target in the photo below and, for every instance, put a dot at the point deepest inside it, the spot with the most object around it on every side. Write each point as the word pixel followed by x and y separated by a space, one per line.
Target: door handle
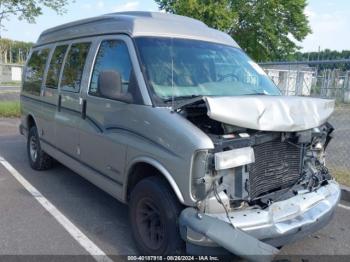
pixel 83 109
pixel 59 103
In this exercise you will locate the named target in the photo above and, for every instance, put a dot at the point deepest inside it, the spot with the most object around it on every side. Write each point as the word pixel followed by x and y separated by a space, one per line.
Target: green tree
pixel 28 10
pixel 326 54
pixel 217 14
pixel 14 51
pixel 265 29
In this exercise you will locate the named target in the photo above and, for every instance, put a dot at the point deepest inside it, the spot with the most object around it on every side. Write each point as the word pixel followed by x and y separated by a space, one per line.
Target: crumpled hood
pixel 270 113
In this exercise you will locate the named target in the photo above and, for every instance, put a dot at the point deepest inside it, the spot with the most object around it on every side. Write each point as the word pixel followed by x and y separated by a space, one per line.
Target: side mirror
pixel 110 86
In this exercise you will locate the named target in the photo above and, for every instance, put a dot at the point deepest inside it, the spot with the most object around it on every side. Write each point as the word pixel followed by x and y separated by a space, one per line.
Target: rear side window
pixel 113 55
pixel 74 67
pixel 53 73
pixel 34 72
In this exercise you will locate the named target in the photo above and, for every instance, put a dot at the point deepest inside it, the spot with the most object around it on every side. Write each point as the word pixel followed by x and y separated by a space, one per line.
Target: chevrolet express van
pixel 174 119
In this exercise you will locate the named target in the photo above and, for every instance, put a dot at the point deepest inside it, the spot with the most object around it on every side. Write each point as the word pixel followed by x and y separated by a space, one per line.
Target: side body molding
pixel 161 169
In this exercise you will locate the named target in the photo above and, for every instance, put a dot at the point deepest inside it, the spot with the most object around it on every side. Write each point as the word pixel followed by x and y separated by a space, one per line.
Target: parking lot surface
pixel 9 93
pixel 26 228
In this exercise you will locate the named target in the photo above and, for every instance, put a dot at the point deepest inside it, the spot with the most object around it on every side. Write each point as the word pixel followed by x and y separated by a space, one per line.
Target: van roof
pixel 137 24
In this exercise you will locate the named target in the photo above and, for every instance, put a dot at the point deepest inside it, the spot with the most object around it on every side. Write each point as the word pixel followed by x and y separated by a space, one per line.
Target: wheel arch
pixel 136 172
pixel 30 121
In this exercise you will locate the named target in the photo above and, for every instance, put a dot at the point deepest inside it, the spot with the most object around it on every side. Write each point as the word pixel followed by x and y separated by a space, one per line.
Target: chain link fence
pixel 324 79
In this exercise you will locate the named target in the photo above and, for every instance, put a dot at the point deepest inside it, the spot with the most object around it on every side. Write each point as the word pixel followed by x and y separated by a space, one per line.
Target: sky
pixel 329 20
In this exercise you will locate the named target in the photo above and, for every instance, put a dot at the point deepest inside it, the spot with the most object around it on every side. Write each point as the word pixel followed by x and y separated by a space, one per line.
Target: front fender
pixel 161 169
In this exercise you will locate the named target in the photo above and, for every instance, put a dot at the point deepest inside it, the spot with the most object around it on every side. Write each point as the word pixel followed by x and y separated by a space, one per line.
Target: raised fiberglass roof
pixel 137 24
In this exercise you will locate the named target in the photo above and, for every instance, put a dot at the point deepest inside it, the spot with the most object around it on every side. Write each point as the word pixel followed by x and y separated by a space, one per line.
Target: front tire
pixel 38 159
pixel 154 211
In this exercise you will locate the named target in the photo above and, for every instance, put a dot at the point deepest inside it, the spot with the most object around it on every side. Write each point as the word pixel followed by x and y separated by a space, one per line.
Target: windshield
pixel 185 68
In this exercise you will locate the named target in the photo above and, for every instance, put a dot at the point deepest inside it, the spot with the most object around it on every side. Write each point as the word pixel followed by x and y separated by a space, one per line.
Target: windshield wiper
pixel 178 98
pixel 256 94
pixel 184 101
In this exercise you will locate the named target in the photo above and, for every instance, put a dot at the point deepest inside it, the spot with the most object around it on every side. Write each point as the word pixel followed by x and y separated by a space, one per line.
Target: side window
pixel 34 72
pixel 74 67
pixel 113 55
pixel 53 73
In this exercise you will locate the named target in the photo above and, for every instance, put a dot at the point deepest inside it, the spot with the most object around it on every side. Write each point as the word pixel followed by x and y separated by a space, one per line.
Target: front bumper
pixel 282 222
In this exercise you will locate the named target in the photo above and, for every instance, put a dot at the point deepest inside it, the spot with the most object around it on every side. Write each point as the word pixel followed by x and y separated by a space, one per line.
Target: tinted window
pixel 113 55
pixel 55 66
pixel 35 71
pixel 74 66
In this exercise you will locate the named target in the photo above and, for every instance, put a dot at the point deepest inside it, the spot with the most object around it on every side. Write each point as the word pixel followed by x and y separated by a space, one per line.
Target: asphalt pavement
pixel 26 228
pixel 9 93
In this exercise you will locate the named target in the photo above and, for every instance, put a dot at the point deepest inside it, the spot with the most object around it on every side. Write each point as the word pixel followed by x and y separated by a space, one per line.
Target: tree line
pixel 14 52
pixel 326 54
pixel 28 10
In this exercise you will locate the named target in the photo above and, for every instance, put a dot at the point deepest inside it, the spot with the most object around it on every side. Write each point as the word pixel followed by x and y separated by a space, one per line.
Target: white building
pixel 292 79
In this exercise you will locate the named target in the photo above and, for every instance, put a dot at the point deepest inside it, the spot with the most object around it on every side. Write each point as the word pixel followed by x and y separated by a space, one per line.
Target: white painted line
pixel 344 206
pixel 79 236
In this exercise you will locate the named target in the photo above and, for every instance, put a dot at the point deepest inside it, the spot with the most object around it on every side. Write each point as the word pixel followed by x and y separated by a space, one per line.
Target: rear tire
pixel 154 211
pixel 38 159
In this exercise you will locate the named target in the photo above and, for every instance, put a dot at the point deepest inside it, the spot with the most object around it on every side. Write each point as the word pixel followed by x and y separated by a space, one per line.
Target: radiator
pixel 277 166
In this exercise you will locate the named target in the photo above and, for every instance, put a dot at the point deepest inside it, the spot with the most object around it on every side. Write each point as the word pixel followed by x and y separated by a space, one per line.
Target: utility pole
pixel 1 18
pixel 316 75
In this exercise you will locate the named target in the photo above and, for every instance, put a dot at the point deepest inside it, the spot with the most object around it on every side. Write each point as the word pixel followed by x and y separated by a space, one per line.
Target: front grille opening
pixel 276 167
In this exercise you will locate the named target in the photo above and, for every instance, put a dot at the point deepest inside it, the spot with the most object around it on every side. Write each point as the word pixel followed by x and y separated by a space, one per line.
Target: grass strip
pixel 9 109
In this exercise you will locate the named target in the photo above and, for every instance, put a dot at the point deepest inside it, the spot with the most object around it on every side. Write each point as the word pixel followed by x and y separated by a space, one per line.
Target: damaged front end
pixel 268 182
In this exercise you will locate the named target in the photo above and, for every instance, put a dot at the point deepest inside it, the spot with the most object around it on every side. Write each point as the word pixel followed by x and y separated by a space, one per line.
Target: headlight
pixel 234 158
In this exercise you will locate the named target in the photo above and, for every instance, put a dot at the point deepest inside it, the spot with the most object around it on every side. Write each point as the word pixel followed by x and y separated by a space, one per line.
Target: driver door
pixel 102 140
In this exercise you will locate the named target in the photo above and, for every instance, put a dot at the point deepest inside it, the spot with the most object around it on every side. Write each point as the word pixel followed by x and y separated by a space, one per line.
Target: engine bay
pixel 284 164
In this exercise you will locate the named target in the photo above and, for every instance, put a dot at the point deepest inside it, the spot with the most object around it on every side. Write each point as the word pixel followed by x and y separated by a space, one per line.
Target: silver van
pixel 174 119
